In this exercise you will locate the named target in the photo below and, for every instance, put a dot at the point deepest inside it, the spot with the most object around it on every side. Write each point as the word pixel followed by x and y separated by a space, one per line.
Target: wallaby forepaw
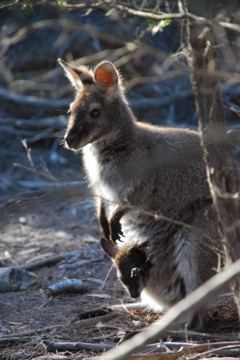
pixel 117 234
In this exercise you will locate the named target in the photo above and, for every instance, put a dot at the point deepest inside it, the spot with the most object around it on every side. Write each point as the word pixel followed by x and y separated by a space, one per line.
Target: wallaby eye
pixel 95 113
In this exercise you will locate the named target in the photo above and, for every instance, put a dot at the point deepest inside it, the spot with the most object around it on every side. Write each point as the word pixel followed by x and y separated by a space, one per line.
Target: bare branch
pixel 8 4
pixel 40 173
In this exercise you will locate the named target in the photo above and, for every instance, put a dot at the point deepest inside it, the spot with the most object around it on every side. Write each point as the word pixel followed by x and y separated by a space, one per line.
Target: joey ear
pixel 136 251
pixel 109 247
pixel 77 76
pixel 106 74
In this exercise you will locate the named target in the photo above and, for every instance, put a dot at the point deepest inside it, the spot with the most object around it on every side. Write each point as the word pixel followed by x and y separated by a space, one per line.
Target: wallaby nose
pixel 70 140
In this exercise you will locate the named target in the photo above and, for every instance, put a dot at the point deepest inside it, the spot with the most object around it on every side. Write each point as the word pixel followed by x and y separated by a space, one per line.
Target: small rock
pixel 136 323
pixel 22 220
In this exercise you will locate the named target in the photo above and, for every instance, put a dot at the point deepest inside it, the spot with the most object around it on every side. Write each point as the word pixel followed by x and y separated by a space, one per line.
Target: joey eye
pixel 95 113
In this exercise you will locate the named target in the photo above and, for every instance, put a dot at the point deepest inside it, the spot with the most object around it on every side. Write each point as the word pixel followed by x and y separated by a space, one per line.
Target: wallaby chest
pixel 104 177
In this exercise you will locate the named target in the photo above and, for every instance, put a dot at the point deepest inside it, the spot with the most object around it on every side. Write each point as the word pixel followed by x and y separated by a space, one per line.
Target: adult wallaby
pixel 149 184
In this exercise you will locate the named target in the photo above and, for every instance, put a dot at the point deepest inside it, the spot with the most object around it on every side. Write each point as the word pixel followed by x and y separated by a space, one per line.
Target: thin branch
pixel 34 170
pixel 21 33
pixel 229 26
pixel 147 14
pixel 87 6
pixel 8 4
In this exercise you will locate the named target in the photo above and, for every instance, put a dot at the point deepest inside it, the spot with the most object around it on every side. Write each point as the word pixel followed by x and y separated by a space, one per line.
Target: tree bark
pixel 222 169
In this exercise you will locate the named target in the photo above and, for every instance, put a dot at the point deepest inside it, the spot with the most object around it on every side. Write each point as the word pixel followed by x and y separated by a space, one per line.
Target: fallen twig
pixel 76 346
pixel 92 321
pixel 212 349
pixel 73 286
pixel 198 336
pixel 156 356
pixel 14 339
pixel 41 263
pixel 94 313
pixel 32 332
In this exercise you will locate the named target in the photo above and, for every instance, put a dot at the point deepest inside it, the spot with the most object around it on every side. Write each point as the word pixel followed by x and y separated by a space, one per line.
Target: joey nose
pixel 70 140
pixel 134 293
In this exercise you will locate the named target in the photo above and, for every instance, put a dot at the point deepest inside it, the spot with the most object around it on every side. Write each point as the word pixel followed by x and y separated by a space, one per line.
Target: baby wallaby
pixel 134 270
pixel 132 266
pixel 149 184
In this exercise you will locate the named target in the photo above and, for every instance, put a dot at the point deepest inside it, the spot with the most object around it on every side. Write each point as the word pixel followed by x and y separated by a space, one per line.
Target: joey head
pixel 132 266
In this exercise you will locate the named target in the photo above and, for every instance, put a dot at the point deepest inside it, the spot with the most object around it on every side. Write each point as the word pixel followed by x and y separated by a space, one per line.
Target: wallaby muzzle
pixel 71 140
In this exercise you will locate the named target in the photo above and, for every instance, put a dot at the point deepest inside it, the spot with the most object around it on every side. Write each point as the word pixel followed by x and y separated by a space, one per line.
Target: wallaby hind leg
pixel 198 322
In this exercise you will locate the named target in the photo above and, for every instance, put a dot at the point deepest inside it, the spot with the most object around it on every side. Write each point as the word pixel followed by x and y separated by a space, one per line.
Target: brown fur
pixel 149 183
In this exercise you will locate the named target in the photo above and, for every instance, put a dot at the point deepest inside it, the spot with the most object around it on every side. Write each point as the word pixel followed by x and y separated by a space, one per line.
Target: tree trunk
pixel 222 169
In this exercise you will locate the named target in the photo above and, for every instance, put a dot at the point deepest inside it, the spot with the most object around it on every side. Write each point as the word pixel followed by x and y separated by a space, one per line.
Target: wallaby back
pixel 156 174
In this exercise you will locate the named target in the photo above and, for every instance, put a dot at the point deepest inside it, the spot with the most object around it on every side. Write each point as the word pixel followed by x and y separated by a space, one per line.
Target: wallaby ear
pixel 106 74
pixel 109 247
pixel 77 76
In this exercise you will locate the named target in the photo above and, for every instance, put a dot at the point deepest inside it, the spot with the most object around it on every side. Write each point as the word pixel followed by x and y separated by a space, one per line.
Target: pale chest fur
pixel 105 179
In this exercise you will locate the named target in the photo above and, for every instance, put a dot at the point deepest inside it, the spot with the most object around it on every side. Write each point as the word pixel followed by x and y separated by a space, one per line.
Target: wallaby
pixel 150 187
pixel 132 266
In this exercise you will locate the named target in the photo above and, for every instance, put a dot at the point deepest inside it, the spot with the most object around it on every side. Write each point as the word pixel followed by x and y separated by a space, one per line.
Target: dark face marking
pixel 132 267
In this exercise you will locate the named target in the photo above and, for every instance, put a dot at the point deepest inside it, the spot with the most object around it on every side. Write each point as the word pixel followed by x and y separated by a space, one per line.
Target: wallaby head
pixel 131 264
pixel 97 105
